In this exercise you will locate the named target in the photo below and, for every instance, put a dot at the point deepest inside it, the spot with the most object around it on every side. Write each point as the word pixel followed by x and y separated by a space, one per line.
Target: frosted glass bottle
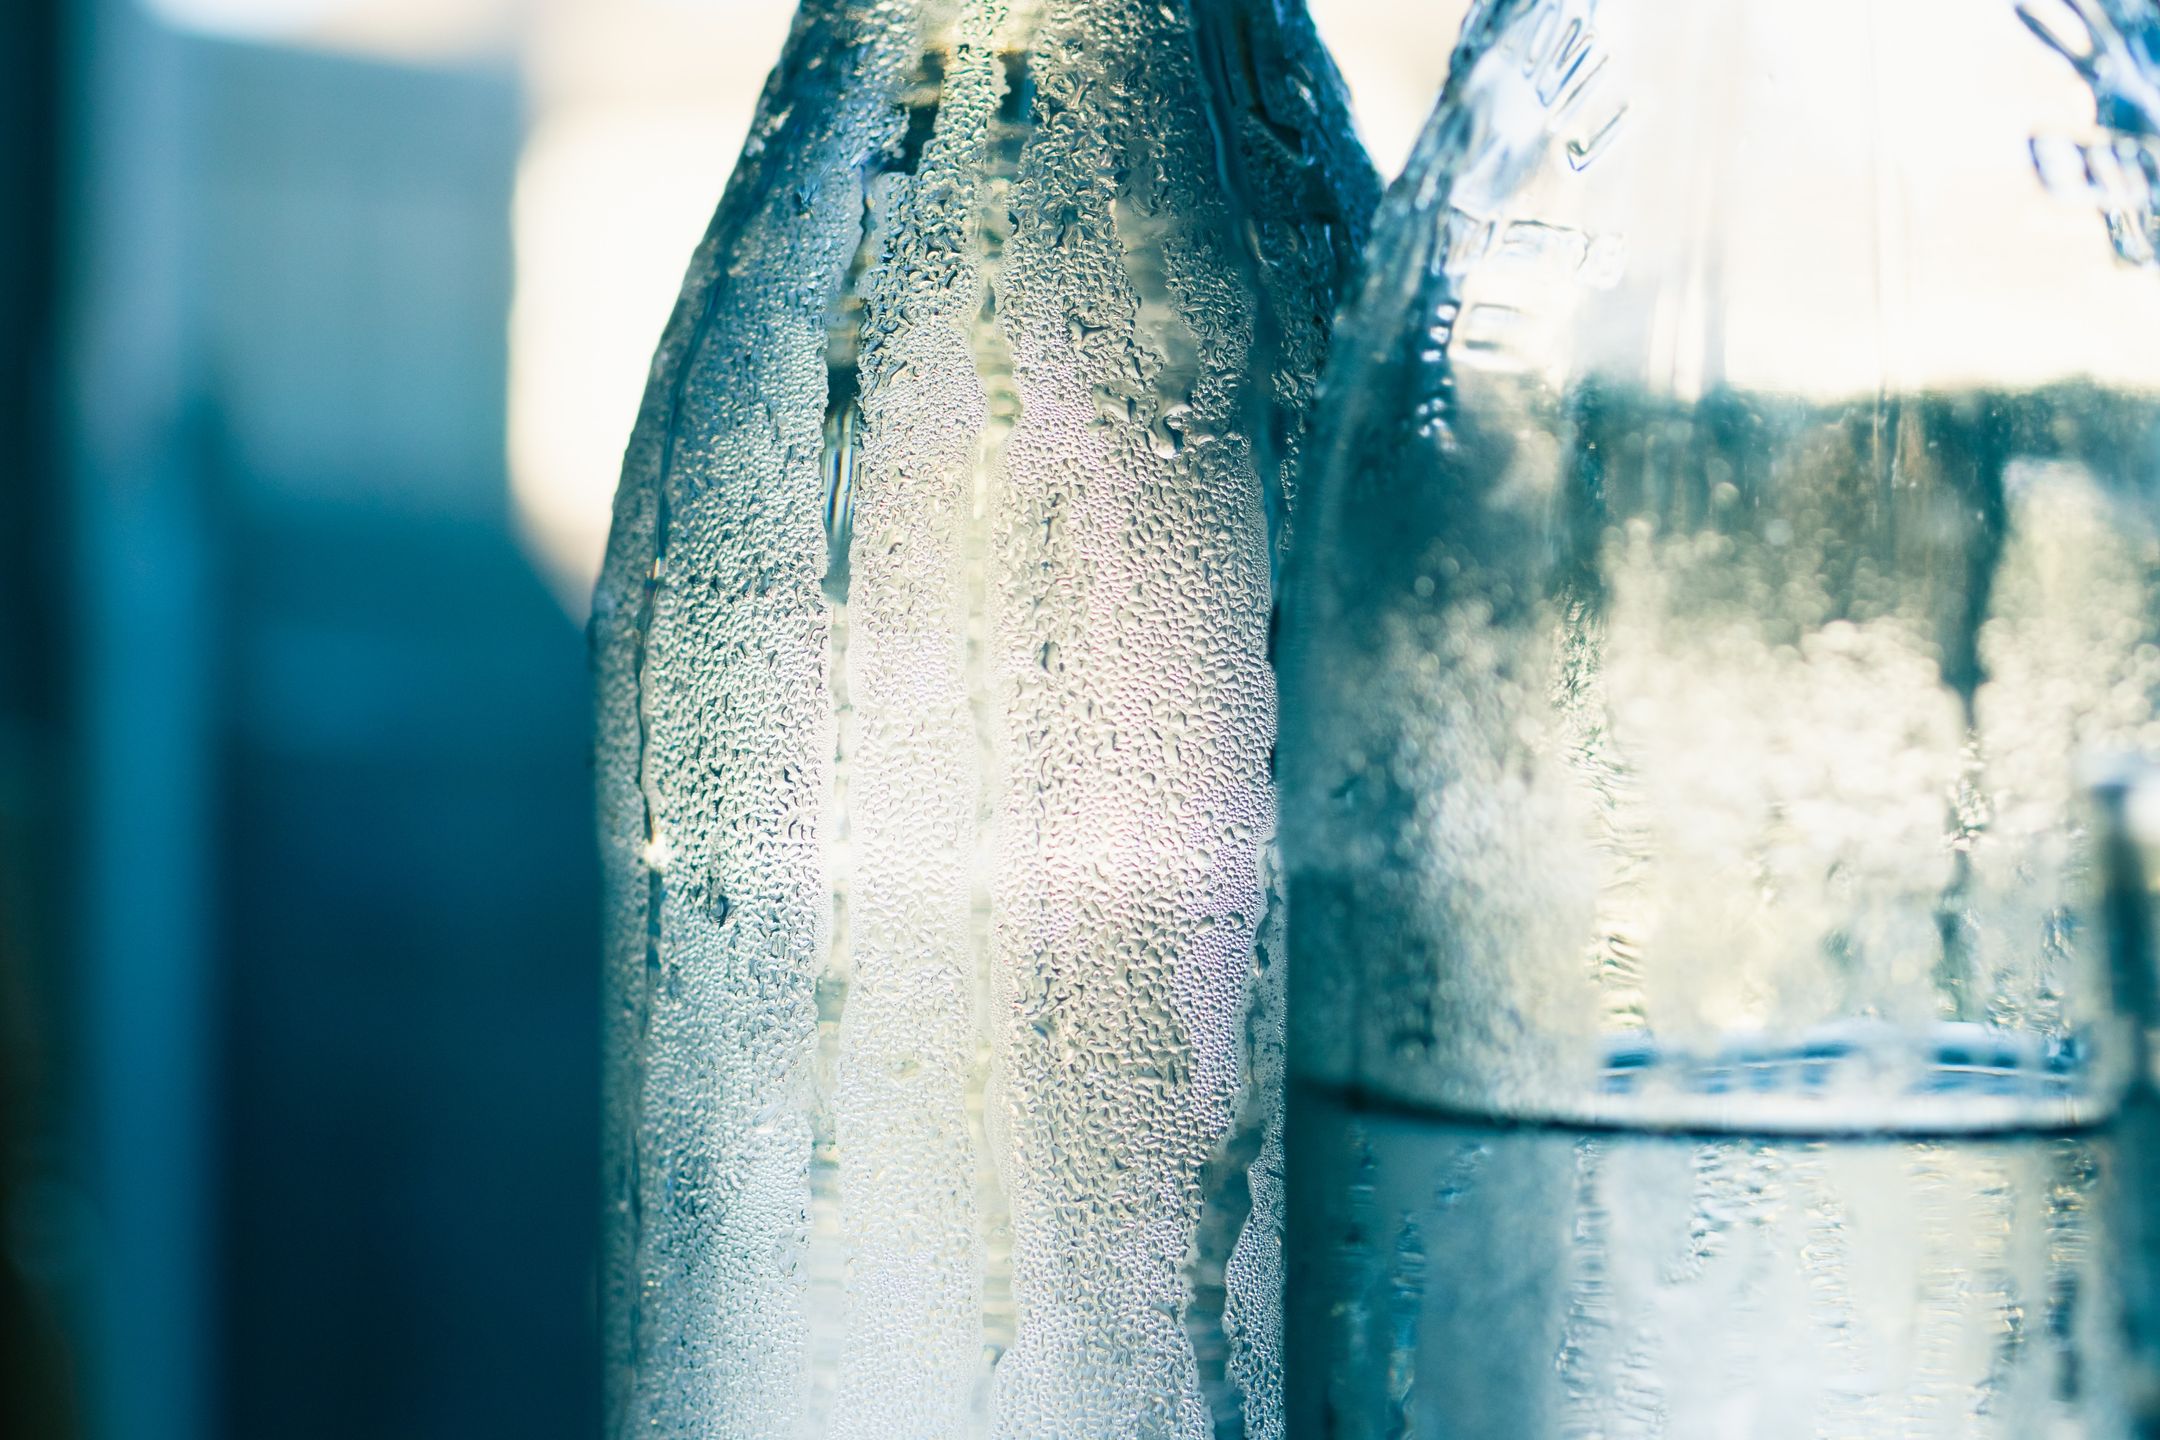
pixel 944 1028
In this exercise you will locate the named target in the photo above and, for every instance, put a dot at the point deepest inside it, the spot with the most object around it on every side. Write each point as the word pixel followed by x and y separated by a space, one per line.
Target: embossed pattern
pixel 944 1037
pixel 2115 45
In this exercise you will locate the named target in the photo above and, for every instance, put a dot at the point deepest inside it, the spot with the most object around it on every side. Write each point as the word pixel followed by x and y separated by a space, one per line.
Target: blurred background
pixel 322 324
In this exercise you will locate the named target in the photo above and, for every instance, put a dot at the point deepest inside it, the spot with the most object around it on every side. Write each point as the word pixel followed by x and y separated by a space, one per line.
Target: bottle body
pixel 1720 572
pixel 1734 527
pixel 934 734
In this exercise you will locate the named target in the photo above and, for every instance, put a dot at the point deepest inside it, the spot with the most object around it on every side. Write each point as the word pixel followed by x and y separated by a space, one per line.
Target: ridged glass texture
pixel 944 1026
pixel 1735 528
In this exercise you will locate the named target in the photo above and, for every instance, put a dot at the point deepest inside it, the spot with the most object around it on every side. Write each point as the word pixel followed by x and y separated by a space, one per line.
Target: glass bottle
pixel 1735 522
pixel 1730 543
pixel 943 1029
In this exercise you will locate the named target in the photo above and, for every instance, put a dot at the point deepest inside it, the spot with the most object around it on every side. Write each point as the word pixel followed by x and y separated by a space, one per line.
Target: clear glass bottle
pixel 1735 521
pixel 935 719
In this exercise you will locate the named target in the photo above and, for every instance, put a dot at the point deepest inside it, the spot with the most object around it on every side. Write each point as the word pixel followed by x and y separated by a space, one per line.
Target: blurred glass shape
pixel 332 753
pixel 1727 548
pixel 944 1030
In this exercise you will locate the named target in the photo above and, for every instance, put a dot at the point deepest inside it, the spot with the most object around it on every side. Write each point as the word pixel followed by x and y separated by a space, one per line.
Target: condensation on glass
pixel 1736 521
pixel 944 1029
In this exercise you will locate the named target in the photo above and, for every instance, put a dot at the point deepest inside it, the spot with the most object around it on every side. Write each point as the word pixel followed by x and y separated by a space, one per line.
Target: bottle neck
pixel 950 24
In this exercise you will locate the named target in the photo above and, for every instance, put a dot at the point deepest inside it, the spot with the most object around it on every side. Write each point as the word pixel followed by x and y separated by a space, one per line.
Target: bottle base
pixel 1479 1280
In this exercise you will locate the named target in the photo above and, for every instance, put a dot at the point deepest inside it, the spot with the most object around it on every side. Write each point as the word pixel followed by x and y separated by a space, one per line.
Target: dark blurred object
pixel 334 900
pixel 409 1101
pixel 34 1387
